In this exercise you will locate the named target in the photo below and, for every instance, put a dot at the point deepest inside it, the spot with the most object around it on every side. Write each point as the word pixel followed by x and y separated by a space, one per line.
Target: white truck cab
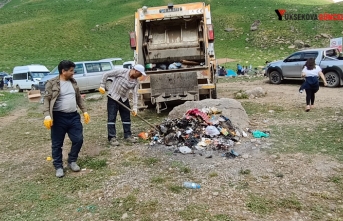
pixel 27 77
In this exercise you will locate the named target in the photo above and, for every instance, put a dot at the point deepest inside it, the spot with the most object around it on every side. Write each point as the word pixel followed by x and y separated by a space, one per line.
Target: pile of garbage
pixel 205 129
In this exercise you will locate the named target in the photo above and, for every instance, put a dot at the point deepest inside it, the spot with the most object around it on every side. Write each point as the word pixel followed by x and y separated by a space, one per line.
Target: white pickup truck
pixel 329 59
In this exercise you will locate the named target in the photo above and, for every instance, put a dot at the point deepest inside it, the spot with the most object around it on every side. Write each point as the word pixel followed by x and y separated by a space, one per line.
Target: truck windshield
pixel 39 74
pixel 54 71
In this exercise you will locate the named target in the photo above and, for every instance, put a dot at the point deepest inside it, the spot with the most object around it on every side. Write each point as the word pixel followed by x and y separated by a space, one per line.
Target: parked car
pixel 28 76
pixel 329 59
pixel 128 64
pixel 88 74
pixel 3 74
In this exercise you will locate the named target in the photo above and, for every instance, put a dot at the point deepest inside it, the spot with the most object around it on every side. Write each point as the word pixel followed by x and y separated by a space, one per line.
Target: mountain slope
pixel 45 32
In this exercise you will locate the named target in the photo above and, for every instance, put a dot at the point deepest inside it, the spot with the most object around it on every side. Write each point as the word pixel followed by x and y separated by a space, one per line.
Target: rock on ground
pixel 256 92
pixel 230 108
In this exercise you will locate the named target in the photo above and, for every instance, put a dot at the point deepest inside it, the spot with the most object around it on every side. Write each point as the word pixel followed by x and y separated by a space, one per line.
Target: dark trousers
pixel 310 96
pixel 311 86
pixel 112 109
pixel 66 123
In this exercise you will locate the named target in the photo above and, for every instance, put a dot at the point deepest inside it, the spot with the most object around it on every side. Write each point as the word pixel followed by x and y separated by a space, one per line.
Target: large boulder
pixel 298 43
pixel 230 108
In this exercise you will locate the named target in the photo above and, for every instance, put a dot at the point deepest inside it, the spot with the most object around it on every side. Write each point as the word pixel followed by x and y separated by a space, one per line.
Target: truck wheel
pixel 33 87
pixel 214 93
pixel 275 77
pixel 18 88
pixel 332 79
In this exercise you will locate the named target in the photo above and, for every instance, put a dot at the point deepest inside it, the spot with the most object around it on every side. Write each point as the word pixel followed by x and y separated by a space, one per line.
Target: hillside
pixel 45 32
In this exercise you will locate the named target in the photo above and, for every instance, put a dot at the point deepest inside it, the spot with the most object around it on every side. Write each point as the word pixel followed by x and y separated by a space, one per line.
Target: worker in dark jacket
pixel 62 96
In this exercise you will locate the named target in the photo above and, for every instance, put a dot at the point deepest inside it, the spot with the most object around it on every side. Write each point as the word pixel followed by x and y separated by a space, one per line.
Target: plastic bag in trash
pixel 143 135
pixel 212 131
pixel 259 134
pixel 185 150
pixel 214 120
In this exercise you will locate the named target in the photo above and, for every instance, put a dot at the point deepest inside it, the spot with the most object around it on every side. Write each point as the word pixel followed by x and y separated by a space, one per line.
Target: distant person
pixel 311 72
pixel 239 69
pixel 340 56
pixel 6 83
pixel 62 96
pixel 1 83
pixel 9 84
pixel 222 71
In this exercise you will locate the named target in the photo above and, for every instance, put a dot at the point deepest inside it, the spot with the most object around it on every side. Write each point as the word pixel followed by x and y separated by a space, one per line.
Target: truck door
pixel 307 55
pixel 95 71
pixel 28 82
pixel 291 66
pixel 80 76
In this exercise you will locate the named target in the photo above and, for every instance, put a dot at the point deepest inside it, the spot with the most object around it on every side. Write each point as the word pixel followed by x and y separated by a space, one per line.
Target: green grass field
pixel 45 32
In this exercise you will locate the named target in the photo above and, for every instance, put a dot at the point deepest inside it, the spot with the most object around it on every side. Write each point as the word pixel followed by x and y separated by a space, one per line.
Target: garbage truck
pixel 175 43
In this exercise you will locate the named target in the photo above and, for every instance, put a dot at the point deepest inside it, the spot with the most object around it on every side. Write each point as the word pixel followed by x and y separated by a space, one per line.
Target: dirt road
pixel 285 94
pixel 295 174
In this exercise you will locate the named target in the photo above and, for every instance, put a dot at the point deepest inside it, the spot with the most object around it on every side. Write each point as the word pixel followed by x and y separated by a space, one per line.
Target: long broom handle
pixel 123 105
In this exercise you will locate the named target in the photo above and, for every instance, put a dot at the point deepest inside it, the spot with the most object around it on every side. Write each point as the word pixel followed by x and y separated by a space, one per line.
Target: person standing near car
pixel 124 81
pixel 311 72
pixel 1 83
pixel 239 69
pixel 62 96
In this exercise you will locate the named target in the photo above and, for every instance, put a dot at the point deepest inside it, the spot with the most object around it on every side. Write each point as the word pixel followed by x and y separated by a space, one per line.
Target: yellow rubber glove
pixel 102 90
pixel 134 112
pixel 48 122
pixel 87 117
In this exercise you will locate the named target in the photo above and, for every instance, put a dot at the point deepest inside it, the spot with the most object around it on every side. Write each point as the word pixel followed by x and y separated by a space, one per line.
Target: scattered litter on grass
pixel 200 130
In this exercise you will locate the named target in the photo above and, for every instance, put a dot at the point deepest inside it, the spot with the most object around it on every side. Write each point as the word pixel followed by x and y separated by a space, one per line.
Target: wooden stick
pixel 123 105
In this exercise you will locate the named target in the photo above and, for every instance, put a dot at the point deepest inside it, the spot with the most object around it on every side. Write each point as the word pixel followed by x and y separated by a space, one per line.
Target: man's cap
pixel 140 68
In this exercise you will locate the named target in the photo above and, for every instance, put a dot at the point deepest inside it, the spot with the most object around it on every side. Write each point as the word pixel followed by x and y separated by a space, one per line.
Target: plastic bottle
pixel 191 185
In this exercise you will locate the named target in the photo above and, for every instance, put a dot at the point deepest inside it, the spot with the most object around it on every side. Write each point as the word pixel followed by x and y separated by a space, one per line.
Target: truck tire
pixel 332 79
pixel 214 93
pixel 275 77
pixel 18 88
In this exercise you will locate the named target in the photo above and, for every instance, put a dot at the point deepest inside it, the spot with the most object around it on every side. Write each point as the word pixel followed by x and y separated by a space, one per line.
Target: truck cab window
pixel 310 55
pixel 79 69
pixel 294 58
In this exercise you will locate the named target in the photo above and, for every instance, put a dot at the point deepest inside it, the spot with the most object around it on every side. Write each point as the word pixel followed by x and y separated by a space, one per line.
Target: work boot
pixel 59 172
pixel 130 140
pixel 74 167
pixel 114 142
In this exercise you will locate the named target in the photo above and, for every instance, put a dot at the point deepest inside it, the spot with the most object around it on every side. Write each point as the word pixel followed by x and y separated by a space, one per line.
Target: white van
pixel 27 77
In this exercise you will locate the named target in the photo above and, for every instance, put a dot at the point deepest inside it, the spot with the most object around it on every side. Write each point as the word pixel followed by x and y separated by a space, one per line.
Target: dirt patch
pixel 286 94
pixel 11 118
pixel 2 4
pixel 225 60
